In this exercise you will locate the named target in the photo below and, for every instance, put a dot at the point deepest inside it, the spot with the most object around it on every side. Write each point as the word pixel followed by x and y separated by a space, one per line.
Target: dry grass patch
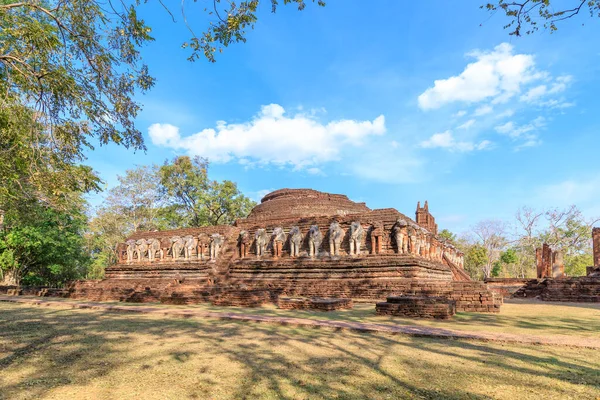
pixel 82 354
pixel 528 317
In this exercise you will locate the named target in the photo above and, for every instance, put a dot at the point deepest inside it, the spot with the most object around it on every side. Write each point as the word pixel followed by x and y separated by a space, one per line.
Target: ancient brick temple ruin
pixel 549 262
pixel 552 284
pixel 297 243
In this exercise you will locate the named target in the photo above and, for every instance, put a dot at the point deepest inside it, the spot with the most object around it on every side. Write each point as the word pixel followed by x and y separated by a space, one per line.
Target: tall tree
pixel 490 234
pixel 43 247
pixel 195 200
pixel 568 230
pixel 70 71
pixel 135 204
pixel 475 259
pixel 137 199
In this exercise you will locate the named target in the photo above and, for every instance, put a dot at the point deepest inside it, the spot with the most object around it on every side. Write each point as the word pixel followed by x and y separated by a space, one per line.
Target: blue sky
pixel 389 103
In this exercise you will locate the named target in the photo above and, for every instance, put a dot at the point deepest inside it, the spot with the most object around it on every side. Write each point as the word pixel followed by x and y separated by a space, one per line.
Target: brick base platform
pixel 416 306
pixel 585 289
pixel 242 298
pixel 319 304
pixel 506 287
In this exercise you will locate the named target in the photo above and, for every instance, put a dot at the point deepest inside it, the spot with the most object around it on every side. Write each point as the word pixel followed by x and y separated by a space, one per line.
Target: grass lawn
pixel 530 317
pixel 84 354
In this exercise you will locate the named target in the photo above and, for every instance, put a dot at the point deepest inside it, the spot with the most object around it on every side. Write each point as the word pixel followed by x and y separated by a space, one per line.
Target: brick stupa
pixel 391 255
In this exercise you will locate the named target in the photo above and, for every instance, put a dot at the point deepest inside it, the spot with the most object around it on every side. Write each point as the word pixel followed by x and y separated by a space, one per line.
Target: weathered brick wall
pixel 417 307
pixel 475 297
pixel 579 289
pixel 318 304
pixel 506 287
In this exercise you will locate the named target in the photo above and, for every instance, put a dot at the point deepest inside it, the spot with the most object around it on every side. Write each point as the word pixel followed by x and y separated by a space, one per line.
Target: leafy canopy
pixel 44 247
pixel 195 200
pixel 526 16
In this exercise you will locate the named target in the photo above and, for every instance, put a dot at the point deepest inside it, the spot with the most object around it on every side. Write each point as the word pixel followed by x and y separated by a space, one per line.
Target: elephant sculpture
pixel 261 239
pixel 203 245
pixel 401 236
pixel 278 241
pixel 141 247
pixel 336 235
pixel 216 241
pixel 154 247
pixel 190 242
pixel 130 249
pixel 413 240
pixel 177 245
pixel 295 241
pixel 315 238
pixel 244 243
pixel 356 236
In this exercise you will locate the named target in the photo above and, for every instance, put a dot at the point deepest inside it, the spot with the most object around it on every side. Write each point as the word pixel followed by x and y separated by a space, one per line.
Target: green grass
pixel 516 316
pixel 82 354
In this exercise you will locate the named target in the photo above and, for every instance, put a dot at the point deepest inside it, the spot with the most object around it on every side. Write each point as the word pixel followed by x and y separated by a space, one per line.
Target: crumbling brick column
pixel 538 263
pixel 546 260
pixel 596 241
pixel 558 264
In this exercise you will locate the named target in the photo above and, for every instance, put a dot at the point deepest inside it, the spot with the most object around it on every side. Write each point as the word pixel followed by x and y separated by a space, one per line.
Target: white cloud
pixel 272 137
pixel 467 124
pixel 483 110
pixel 561 84
pixel 515 131
pixel 526 135
pixel 534 93
pixel 446 140
pixel 460 113
pixel 163 134
pixel 496 75
pixel 537 93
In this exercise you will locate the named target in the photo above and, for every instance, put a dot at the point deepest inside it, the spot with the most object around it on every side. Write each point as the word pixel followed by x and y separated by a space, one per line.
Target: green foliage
pixel 529 15
pixel 496 269
pixel 475 258
pixel 69 71
pixel 576 264
pixel 509 256
pixel 43 247
pixel 566 230
pixel 176 195
pixel 230 26
pixel 448 236
pixel 197 201
pixel 134 204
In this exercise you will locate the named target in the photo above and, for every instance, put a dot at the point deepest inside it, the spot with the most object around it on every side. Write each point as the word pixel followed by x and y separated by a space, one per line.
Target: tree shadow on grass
pixel 77 347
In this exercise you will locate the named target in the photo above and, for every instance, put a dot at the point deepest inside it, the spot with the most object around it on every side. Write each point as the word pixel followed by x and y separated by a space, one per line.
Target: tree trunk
pixel 11 278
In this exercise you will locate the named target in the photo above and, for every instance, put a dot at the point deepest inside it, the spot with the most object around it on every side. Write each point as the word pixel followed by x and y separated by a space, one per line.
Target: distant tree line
pixel 506 249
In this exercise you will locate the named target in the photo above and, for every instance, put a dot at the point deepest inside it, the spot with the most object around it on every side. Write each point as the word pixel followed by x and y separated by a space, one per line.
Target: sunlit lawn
pixel 83 354
pixel 517 316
